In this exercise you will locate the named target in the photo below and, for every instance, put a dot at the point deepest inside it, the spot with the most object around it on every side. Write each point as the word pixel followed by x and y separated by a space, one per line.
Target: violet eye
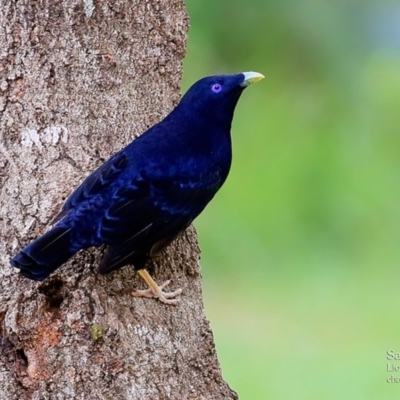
pixel 216 88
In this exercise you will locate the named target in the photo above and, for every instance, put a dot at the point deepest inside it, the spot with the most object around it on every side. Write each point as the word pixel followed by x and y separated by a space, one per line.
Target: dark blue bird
pixel 139 200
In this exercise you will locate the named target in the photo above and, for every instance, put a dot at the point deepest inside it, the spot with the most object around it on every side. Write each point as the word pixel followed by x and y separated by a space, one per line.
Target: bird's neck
pixel 207 137
pixel 208 121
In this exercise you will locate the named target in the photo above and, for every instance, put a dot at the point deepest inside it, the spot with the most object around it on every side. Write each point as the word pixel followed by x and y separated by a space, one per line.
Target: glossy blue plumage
pixel 141 198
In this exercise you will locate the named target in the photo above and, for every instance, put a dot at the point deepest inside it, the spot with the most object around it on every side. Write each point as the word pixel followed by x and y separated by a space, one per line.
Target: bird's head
pixel 216 96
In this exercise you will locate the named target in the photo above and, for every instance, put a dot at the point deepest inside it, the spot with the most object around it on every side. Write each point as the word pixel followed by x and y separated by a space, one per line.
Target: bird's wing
pixel 131 212
pixel 142 205
pixel 95 183
pixel 147 215
pixel 185 196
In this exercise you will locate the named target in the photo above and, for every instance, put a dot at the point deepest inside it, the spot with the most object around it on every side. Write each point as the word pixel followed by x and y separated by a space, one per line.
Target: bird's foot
pixel 155 291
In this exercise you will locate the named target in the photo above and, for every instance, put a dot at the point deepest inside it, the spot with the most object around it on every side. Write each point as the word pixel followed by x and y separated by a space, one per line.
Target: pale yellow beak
pixel 251 77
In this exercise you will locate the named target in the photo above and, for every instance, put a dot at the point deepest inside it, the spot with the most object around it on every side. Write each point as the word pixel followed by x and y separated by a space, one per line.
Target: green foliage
pixel 301 247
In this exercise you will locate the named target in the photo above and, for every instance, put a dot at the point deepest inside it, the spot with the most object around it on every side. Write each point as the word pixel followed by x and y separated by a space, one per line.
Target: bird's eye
pixel 216 88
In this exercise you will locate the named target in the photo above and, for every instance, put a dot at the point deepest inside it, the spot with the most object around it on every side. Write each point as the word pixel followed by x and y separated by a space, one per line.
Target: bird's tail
pixel 43 256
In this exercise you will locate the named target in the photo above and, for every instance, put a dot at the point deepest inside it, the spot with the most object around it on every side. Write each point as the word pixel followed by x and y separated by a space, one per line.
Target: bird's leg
pixel 156 291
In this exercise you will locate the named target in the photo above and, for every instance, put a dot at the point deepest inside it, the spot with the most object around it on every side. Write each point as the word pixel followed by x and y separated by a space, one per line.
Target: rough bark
pixel 78 80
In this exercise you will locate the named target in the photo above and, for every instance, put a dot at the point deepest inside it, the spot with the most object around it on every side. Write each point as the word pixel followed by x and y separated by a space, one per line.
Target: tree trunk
pixel 78 80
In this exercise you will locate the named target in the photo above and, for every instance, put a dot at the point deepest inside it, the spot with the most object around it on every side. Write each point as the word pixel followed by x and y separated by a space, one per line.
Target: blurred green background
pixel 301 247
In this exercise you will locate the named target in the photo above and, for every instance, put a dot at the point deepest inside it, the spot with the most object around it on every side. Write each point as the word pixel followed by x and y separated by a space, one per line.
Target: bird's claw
pixel 164 297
